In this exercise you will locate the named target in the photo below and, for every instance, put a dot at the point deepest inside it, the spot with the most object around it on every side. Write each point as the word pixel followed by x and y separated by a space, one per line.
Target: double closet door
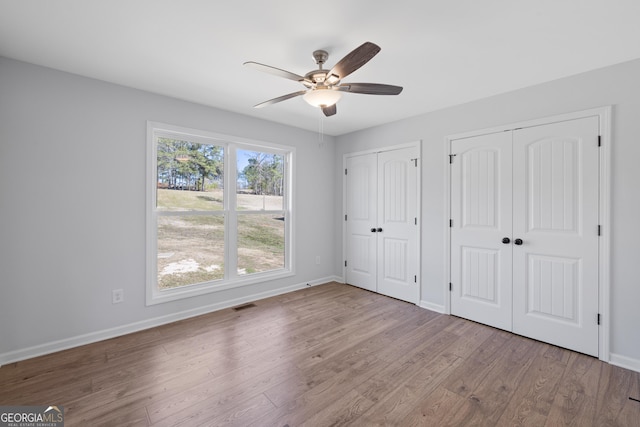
pixel 524 232
pixel 382 223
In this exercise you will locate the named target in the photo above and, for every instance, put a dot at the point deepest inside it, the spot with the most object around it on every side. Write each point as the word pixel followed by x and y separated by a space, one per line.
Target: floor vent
pixel 243 307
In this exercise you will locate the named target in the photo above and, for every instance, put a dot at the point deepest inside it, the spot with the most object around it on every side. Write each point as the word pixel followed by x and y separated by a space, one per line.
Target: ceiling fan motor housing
pixel 316 76
pixel 319 76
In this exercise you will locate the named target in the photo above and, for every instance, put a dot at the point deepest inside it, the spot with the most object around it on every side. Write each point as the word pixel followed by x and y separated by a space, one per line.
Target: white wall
pixel 72 207
pixel 618 86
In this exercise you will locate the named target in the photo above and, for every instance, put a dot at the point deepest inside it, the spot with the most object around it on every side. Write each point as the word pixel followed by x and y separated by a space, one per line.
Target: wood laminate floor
pixel 325 356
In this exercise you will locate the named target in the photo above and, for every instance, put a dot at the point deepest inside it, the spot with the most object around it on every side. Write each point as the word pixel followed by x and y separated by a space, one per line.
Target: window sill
pixel 158 297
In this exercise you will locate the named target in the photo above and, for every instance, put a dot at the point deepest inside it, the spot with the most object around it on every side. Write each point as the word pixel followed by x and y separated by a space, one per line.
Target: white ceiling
pixel 443 52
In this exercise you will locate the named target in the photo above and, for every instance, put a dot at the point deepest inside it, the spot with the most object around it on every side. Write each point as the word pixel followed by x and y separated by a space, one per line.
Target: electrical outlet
pixel 317 259
pixel 117 296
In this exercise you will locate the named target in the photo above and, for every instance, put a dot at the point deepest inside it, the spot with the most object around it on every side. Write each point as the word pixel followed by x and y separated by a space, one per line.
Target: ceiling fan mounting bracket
pixel 320 56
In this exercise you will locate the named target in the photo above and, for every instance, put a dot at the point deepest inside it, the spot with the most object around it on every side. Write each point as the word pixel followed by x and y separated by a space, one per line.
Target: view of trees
pixel 189 165
pixel 264 174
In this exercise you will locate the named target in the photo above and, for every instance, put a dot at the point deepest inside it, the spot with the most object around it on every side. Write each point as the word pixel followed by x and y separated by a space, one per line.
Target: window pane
pixel 190 176
pixel 190 250
pixel 260 243
pixel 260 181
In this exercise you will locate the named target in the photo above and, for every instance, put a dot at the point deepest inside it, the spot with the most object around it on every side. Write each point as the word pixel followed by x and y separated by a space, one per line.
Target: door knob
pixel 506 240
pixel 518 242
pixel 379 230
pixel 373 230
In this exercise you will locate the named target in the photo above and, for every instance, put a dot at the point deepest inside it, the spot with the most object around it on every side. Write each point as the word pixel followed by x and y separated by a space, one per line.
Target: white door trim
pixel 604 214
pixel 418 145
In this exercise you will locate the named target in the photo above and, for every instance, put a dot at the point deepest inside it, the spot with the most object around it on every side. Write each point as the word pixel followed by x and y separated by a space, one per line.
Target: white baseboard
pixel 624 362
pixel 67 343
pixel 433 307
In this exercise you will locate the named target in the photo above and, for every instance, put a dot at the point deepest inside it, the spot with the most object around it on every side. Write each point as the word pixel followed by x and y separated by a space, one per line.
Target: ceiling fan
pixel 324 87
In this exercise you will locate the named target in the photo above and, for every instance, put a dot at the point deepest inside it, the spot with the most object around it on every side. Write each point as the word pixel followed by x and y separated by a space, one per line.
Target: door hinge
pixel 345 262
pixel 598 318
pixel 450 287
pixel 345 217
pixel 599 141
pixel 450 223
pixel 415 221
pixel 599 230
pixel 415 279
pixel 451 156
pixel 415 162
pixel 345 171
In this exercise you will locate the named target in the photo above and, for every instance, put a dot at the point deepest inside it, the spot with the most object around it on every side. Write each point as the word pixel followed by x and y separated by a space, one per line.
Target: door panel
pixel 480 174
pixel 553 288
pixel 361 205
pixel 481 212
pixel 555 208
pixel 552 183
pixel 398 212
pixel 480 281
pixel 395 259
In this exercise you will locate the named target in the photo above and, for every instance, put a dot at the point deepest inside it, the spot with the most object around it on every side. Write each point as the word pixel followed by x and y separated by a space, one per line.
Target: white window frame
pixel 231 278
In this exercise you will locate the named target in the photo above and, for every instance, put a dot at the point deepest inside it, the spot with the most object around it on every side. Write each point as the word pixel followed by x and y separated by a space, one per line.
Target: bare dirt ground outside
pixel 191 247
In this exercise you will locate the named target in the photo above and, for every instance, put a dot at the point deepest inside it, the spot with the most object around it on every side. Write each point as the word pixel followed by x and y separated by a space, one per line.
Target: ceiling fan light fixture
pixel 324 97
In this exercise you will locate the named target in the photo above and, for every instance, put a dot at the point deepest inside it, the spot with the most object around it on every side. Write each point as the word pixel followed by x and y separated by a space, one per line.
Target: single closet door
pixel 382 231
pixel 555 230
pixel 397 231
pixel 361 216
pixel 481 229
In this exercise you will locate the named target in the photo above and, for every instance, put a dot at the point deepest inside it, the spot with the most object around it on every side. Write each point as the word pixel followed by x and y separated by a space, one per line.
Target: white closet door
pixel 397 224
pixel 481 213
pixel 555 211
pixel 361 205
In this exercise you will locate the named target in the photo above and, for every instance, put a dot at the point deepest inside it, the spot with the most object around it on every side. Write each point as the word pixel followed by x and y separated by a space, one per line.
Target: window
pixel 219 212
pixel 260 211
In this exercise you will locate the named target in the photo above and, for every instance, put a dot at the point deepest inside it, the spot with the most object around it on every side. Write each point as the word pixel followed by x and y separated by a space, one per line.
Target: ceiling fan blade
pixel 370 88
pixel 280 99
pixel 354 60
pixel 275 71
pixel 330 110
